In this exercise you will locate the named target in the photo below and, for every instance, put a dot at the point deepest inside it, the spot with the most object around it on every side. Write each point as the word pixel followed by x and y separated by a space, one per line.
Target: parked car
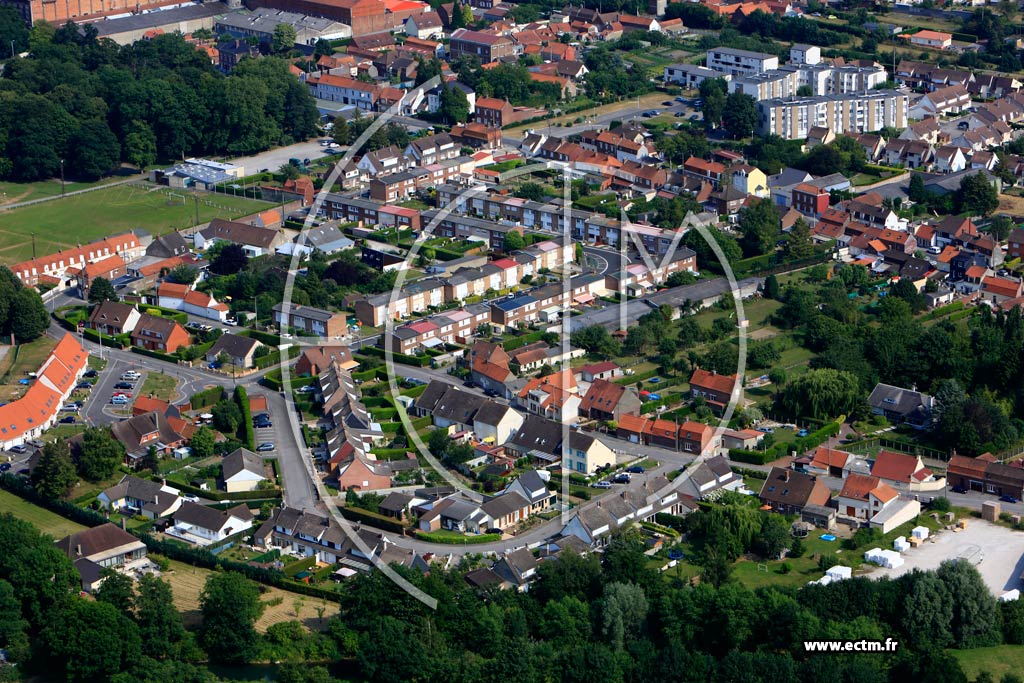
pixel 124 385
pixel 766 430
pixel 5 467
pixel 265 447
pixel 119 400
pixel 802 433
pixel 230 322
pixel 83 385
pixel 190 498
pixel 90 373
pixel 494 530
pixel 1008 499
pixel 130 375
pixel 69 420
pixel 36 443
pixel 635 469
pixel 308 389
pixel 621 478
pixel 602 485
pixel 20 448
pixel 125 394
pixel 959 489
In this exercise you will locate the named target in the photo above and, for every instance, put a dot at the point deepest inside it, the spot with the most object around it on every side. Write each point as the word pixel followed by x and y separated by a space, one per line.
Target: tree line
pixel 94 104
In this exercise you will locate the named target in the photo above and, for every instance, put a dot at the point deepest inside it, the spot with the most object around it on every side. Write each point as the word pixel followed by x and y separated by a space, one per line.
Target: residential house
pixel 607 401
pixel 315 360
pixel 158 334
pixel 184 298
pixel 204 526
pixel 140 432
pixel 984 473
pixel 255 241
pixel 789 492
pixel 933 39
pixel 311 320
pixel 716 390
pixel 999 289
pixel 489 367
pixel 951 100
pixel 242 470
pixel 554 396
pixel 486 47
pixel 532 486
pixel 240 351
pixel 106 546
pixel 862 497
pixel 114 318
pixel 518 567
pixel 135 496
pixel 710 476
pixel 585 454
pixel 495 423
pixel 828 462
pixel 950 159
pixel 902 406
pixel 905 472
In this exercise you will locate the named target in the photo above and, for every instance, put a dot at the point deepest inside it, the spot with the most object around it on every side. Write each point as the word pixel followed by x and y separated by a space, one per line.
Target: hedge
pixel 391 453
pixel 242 399
pixel 100 338
pixel 264 338
pixel 417 361
pixel 273 495
pixel 944 310
pixel 169 313
pixel 461 540
pixel 206 397
pixel 155 354
pixel 753 457
pixel 523 340
pixel 274 357
pixel 357 514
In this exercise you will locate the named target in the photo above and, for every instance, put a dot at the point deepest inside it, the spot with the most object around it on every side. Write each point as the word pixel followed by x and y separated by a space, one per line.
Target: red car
pixel 126 394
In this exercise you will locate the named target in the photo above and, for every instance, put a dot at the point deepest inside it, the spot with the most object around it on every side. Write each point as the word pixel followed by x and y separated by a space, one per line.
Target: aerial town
pixel 393 340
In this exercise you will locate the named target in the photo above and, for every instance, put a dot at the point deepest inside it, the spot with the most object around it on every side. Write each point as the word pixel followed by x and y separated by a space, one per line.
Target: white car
pixel 190 498
pixel 130 375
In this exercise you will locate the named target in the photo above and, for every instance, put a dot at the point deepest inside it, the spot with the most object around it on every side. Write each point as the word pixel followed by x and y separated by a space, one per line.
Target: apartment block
pixel 792 119
pixel 740 62
pixel 690 76
pixel 768 84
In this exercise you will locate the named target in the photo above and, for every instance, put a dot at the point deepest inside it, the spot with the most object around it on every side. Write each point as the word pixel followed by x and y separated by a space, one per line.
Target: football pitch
pixel 79 219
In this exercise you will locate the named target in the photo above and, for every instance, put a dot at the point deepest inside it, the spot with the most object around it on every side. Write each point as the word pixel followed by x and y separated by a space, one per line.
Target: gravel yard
pixel 1001 549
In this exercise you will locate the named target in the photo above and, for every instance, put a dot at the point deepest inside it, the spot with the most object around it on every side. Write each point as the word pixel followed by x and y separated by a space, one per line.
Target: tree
pixel 160 625
pixel 821 394
pixel 230 260
pixel 321 48
pixel 95 150
pixel 625 608
pixel 139 147
pixel 534 191
pixel 13 628
pixel 12 31
pixel 799 244
pixel 928 613
pixel 183 274
pixel 54 474
pixel 100 290
pixel 513 241
pixel 916 192
pixel 761 227
pixel 774 536
pixel 202 442
pixel 458 19
pixel 975 610
pixel 29 317
pixel 89 641
pixel 100 454
pixel 117 590
pixel 740 114
pixel 1000 227
pixel 227 416
pixel 771 287
pixel 230 605
pixel 977 195
pixel 596 340
pixel 341 133
pixel 712 93
pixel 284 37
pixel 454 105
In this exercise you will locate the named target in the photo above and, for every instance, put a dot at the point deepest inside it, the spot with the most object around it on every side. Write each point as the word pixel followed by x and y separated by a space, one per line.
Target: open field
pixel 12 193
pixel 47 522
pixel 18 362
pixel 159 385
pixel 998 660
pixel 63 223
pixel 187 583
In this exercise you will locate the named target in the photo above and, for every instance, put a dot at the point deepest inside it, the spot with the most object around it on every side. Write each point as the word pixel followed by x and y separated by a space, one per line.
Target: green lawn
pixel 44 520
pixel 159 385
pixel 11 193
pixel 63 223
pixel 999 660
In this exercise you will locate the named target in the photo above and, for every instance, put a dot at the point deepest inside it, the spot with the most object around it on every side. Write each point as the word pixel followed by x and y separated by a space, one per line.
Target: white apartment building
pixel 768 85
pixel 690 76
pixel 804 54
pixel 740 62
pixel 792 119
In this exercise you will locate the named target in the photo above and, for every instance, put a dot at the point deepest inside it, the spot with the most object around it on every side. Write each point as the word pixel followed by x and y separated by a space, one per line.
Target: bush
pixel 826 562
pixel 357 514
pixel 155 354
pixel 248 432
pixel 207 397
pixel 941 504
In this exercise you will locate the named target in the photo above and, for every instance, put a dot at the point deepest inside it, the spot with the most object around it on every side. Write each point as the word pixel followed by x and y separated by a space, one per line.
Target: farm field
pixel 187 583
pixel 64 223
pixel 47 522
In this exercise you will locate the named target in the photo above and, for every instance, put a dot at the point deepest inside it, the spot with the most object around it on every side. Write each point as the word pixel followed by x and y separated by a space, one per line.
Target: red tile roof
pixel 895 466
pixel 710 380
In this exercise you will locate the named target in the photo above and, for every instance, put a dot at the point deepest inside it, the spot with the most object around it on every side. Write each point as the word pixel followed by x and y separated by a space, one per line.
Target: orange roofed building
pixel 37 410
pixel 64 267
pixel 715 389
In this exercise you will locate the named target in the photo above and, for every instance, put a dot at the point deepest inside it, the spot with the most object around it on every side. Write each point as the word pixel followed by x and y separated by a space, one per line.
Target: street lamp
pixel 61 177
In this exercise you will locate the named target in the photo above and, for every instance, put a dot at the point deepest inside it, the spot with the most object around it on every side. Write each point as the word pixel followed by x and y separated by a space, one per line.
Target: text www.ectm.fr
pixel 887 645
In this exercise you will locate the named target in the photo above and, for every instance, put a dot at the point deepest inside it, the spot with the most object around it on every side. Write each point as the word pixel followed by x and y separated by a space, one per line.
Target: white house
pixel 863 497
pixel 242 470
pixel 950 159
pixel 205 525
pixel 496 422
pixel 140 496
pixel 584 454
pixel 182 298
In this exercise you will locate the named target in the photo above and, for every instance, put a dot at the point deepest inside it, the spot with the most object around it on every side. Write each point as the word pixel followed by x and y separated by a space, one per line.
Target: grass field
pixel 999 660
pixel 11 193
pixel 14 366
pixel 44 520
pixel 63 223
pixel 187 583
pixel 159 385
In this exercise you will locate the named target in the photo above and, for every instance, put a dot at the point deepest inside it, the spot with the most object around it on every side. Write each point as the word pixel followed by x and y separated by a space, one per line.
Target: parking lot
pixel 1001 553
pixel 263 426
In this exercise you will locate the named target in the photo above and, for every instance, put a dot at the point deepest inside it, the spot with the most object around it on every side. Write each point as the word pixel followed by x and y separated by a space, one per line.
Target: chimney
pixel 123 527
pixel 78 550
pixel 785 476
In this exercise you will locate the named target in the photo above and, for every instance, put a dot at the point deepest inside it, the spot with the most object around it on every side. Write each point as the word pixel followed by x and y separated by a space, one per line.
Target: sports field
pixel 63 223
